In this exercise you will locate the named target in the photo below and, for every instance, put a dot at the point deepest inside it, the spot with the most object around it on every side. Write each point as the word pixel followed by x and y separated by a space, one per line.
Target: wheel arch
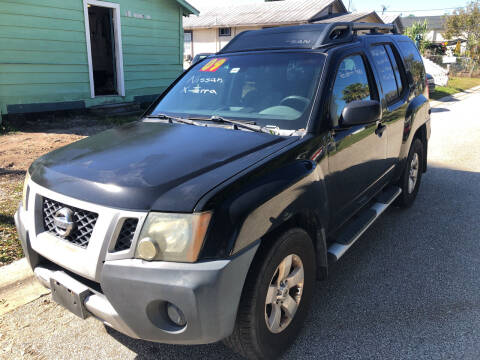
pixel 416 126
pixel 421 134
pixel 311 224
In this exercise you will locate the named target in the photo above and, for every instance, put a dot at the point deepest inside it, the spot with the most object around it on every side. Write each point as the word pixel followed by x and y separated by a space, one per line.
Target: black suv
pixel 212 216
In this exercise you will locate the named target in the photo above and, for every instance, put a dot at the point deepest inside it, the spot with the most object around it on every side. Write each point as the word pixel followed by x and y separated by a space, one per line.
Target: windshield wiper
pixel 173 118
pixel 268 129
pixel 239 124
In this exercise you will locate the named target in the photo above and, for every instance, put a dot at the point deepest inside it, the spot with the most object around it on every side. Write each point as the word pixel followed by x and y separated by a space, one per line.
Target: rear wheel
pixel 412 175
pixel 276 297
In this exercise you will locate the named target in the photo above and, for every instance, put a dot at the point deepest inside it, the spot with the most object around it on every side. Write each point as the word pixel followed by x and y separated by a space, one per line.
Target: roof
pixel 351 17
pixel 272 12
pixel 434 22
pixel 189 9
pixel 389 18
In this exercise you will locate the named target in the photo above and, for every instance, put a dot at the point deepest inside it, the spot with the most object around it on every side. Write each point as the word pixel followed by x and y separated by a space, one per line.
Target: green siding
pixel 43 53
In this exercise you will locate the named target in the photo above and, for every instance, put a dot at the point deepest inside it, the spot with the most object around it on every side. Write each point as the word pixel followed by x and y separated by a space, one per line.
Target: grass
pixel 454 86
pixel 10 196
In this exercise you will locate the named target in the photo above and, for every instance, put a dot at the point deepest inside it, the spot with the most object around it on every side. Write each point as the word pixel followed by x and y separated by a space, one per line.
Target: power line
pixel 403 11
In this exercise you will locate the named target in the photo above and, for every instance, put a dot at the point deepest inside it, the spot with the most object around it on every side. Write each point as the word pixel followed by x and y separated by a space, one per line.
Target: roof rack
pixel 340 32
pixel 309 36
pixel 373 27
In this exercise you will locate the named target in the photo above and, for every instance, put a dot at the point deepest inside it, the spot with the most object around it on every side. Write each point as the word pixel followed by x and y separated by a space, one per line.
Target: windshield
pixel 267 89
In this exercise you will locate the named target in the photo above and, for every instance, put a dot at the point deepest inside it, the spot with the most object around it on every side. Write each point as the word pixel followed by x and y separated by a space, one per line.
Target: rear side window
pixel 413 63
pixel 384 67
pixel 396 69
pixel 351 83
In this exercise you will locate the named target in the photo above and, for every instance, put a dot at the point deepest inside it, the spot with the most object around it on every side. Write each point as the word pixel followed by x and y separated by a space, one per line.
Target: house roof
pixel 272 12
pixel 433 22
pixel 189 9
pixel 389 18
pixel 351 17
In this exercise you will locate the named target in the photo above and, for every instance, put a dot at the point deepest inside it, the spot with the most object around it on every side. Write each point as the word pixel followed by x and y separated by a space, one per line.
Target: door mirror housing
pixel 360 112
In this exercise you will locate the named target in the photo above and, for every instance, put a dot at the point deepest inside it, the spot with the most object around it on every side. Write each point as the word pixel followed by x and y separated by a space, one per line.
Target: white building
pixel 213 29
pixel 435 26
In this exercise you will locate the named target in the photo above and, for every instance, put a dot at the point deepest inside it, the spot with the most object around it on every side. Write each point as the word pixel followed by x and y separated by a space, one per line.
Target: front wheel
pixel 276 297
pixel 412 175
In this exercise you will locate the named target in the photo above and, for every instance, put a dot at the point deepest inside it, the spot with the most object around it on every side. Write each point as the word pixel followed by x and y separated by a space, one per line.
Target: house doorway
pixel 103 33
pixel 102 40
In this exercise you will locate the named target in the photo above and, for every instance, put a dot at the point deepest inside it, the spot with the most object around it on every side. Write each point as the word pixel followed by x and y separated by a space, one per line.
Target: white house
pixel 214 28
pixel 435 26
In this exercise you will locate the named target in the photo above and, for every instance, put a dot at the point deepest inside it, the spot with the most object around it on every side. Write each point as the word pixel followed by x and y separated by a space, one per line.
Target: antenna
pixel 384 8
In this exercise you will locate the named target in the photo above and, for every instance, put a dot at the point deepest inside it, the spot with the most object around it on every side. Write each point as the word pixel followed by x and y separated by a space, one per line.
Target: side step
pixel 361 223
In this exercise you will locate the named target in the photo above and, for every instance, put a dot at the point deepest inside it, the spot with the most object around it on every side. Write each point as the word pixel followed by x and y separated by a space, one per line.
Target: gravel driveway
pixel 409 288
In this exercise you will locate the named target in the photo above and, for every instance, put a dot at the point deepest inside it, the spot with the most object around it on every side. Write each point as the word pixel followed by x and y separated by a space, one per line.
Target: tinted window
pixel 269 89
pixel 396 69
pixel 351 83
pixel 413 63
pixel 385 71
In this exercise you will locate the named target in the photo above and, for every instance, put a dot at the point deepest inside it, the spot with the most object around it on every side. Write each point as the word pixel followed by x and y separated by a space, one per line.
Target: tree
pixel 418 33
pixel 356 91
pixel 465 23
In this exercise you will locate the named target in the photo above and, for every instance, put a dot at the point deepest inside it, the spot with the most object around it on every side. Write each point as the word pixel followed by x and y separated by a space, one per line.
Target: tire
pixel 414 164
pixel 252 337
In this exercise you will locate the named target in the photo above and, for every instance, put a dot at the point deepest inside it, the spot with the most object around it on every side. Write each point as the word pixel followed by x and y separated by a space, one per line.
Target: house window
pixel 187 44
pixel 225 32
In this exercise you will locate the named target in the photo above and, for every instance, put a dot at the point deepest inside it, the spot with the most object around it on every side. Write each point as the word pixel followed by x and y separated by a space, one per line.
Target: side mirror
pixel 360 112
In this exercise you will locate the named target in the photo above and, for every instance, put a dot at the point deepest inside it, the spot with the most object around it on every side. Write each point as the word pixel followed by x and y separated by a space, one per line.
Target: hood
pixel 152 166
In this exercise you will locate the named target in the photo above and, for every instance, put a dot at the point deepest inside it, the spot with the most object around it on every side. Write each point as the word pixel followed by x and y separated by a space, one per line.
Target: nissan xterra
pixel 212 216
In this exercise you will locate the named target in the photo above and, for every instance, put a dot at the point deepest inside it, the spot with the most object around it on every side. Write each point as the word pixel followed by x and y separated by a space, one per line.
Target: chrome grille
pixel 127 232
pixel 84 221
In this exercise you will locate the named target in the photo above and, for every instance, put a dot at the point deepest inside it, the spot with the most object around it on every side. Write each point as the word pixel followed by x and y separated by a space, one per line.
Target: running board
pixel 361 223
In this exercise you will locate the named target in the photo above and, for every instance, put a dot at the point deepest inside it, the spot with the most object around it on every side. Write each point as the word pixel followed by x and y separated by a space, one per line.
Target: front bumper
pixel 133 294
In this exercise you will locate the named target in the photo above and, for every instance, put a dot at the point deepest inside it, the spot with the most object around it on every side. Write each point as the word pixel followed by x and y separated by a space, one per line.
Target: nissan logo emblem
pixel 63 221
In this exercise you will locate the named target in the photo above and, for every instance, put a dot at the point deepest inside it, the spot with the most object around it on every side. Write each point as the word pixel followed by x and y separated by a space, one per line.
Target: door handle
pixel 380 129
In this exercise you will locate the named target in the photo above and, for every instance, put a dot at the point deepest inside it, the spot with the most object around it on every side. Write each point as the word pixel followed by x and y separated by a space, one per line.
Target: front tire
pixel 412 175
pixel 276 297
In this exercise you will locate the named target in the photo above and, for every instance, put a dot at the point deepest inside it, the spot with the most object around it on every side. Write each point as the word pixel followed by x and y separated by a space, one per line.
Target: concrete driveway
pixel 409 288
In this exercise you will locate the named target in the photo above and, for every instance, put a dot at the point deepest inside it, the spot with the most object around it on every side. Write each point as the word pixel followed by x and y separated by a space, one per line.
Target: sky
pixel 404 7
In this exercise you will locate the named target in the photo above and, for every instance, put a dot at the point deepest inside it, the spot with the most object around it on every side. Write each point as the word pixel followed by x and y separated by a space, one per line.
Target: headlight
pixel 172 237
pixel 25 192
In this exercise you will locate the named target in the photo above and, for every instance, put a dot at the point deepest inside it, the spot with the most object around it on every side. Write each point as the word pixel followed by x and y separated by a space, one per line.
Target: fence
pixel 464 66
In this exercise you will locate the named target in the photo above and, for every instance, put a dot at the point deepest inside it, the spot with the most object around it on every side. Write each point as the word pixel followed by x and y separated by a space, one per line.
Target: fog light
pixel 147 249
pixel 176 315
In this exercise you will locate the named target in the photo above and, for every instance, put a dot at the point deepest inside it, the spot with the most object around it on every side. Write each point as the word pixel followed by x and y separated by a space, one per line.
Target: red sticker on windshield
pixel 213 65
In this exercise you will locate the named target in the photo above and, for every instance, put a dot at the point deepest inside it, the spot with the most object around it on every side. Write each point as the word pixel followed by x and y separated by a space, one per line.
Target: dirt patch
pixel 18 149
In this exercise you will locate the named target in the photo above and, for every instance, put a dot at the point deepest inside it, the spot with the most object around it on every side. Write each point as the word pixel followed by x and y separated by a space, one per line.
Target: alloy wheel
pixel 284 293
pixel 413 174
